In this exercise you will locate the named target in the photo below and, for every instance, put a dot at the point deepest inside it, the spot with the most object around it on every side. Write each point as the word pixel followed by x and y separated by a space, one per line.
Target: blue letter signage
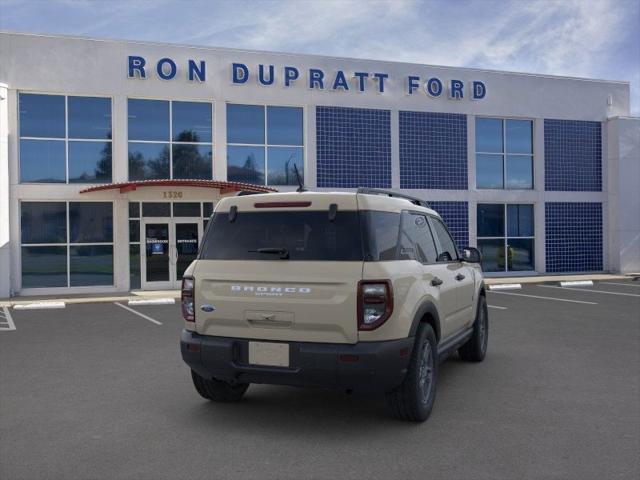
pixel 342 80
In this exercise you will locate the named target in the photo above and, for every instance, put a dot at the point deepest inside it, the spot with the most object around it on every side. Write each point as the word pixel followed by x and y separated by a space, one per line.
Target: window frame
pixel 67 244
pixel 504 154
pixel 506 236
pixel 266 145
pixel 170 142
pixel 66 139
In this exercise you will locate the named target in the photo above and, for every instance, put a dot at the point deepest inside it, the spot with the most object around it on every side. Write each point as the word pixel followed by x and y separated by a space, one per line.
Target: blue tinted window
pixel 520 254
pixel 156 209
pixel 493 258
pixel 245 124
pixel 134 267
pixel 43 222
pixel 89 162
pixel 148 120
pixel 42 161
pixel 245 164
pixel 90 222
pixel 44 267
pixel 284 126
pixel 41 115
pixel 281 161
pixel 520 220
pixel 489 171
pixel 490 220
pixel 91 265
pixel 520 171
pixel 519 136
pixel 207 209
pixel 89 117
pixel 192 161
pixel 489 135
pixel 148 161
pixel 191 122
pixel 134 230
pixel 134 210
pixel 186 209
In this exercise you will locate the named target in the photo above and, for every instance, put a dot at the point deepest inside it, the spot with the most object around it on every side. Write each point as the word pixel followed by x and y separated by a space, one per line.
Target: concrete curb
pixel 87 299
pixel 39 305
pixel 555 278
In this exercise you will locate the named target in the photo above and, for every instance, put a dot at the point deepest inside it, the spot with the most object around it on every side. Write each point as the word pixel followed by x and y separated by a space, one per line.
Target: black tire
pixel 413 399
pixel 476 347
pixel 217 390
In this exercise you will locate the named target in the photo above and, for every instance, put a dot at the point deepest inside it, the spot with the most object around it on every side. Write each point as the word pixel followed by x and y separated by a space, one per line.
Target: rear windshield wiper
pixel 283 252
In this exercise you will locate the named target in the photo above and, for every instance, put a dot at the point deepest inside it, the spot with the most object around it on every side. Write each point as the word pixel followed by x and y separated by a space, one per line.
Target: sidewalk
pixel 175 294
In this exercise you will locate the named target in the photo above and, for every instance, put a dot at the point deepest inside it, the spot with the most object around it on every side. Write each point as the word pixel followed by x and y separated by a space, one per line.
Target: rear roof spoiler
pixel 389 193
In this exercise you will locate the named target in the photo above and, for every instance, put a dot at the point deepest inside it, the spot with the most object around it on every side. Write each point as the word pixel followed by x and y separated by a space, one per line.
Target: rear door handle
pixel 436 282
pixel 460 277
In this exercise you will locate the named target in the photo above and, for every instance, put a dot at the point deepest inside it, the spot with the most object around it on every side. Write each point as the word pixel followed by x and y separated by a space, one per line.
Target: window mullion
pixel 265 146
pixel 504 154
pixel 66 139
pixel 171 139
pixel 68 249
pixel 506 234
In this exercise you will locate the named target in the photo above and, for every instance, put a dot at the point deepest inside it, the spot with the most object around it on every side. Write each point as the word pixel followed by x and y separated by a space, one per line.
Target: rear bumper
pixel 365 366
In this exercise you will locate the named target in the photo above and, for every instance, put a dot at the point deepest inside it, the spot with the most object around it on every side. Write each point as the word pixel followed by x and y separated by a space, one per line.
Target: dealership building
pixel 113 155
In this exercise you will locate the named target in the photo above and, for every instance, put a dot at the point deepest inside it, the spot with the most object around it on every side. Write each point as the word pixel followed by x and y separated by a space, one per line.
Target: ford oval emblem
pixel 207 308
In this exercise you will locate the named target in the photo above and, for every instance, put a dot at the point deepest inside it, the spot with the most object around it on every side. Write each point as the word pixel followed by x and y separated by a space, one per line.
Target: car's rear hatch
pixel 281 267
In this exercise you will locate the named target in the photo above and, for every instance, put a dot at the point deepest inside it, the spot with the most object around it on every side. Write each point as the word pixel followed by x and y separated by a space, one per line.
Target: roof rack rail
pixel 389 193
pixel 244 193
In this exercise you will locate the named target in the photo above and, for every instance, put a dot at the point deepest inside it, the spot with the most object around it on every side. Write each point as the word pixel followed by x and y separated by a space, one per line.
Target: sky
pixel 580 38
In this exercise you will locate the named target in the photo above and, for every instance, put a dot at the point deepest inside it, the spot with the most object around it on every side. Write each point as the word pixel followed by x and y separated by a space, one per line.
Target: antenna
pixel 301 187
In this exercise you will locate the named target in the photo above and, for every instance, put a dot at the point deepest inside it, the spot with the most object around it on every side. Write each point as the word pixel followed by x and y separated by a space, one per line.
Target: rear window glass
pixel 303 235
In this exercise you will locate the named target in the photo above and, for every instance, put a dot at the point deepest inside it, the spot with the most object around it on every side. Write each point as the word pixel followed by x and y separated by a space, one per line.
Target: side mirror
pixel 471 255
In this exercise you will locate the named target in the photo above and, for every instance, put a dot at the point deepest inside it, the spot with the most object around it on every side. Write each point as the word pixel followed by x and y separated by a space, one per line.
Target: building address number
pixel 172 194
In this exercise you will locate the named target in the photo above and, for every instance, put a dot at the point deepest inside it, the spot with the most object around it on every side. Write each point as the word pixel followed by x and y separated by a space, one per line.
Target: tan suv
pixel 360 291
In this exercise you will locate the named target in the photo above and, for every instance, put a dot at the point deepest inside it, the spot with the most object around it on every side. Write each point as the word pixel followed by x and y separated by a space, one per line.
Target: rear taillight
pixel 375 303
pixel 188 299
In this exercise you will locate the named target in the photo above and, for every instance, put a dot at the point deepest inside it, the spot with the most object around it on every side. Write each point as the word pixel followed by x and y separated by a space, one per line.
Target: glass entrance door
pixel 186 241
pixel 170 247
pixel 157 256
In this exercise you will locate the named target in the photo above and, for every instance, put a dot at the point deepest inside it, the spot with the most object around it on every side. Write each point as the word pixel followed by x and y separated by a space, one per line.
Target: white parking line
pixel 496 306
pixel 591 290
pixel 546 298
pixel 8 320
pixel 138 313
pixel 622 284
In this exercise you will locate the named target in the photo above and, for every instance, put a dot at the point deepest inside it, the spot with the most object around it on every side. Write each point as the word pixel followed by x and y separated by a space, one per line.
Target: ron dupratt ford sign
pixel 314 78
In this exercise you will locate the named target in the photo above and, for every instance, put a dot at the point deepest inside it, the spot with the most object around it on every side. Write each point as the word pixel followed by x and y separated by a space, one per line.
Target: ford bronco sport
pixel 360 291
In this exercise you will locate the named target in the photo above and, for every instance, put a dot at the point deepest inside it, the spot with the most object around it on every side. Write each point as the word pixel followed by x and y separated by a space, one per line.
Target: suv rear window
pixel 303 235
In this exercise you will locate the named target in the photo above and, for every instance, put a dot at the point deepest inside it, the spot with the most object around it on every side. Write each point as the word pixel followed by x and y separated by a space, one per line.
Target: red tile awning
pixel 224 187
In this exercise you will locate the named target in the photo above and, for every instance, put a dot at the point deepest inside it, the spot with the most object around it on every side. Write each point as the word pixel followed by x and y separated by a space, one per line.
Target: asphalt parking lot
pixel 98 391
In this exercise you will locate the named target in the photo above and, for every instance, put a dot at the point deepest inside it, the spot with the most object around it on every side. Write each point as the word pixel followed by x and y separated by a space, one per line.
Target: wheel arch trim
pixel 426 308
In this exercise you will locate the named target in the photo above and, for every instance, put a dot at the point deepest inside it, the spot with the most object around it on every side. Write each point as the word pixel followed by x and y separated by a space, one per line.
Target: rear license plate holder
pixel 269 354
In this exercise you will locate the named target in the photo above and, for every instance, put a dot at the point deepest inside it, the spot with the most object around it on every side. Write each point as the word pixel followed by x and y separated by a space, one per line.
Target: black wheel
pixel 217 390
pixel 476 347
pixel 413 399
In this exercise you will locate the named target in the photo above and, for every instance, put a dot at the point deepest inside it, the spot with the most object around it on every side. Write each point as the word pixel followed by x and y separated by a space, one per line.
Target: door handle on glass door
pixel 436 282
pixel 460 277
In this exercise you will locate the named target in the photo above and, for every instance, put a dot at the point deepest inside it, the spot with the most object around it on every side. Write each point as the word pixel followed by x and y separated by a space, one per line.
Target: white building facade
pixel 113 155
